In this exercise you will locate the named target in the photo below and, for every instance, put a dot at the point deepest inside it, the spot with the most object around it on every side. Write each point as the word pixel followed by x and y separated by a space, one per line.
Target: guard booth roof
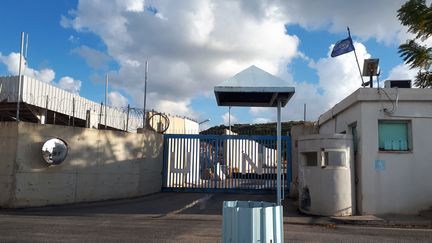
pixel 253 87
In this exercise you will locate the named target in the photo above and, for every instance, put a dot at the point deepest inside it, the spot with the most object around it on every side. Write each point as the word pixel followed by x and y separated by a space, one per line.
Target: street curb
pixel 383 223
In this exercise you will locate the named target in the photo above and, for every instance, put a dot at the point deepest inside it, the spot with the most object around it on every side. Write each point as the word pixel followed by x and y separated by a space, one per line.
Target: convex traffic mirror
pixel 54 151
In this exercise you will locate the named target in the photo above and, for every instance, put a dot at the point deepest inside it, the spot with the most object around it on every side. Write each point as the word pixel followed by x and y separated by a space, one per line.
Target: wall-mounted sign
pixel 380 165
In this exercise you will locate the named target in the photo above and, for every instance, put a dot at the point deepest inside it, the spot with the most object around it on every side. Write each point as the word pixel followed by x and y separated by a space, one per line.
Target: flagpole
pixel 355 54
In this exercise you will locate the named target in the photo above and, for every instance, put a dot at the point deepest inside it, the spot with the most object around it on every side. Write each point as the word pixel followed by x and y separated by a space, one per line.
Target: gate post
pixel 164 171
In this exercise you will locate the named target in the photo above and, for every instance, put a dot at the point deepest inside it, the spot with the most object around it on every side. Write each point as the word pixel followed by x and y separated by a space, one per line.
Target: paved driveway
pixel 169 217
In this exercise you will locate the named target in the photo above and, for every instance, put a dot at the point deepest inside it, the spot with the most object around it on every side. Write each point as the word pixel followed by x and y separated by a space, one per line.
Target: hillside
pixel 253 129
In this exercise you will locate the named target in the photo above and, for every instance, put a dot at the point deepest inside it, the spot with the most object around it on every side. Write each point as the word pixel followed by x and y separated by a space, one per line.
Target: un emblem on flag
pixel 344 44
pixel 342 47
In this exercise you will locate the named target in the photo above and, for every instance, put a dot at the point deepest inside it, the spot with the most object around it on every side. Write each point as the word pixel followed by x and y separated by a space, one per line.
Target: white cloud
pixel 117 100
pixel 69 84
pixel 226 118
pixel 258 110
pixel 94 58
pixel 367 18
pixel 45 75
pixel 12 64
pixel 73 39
pixel 338 77
pixel 195 46
pixel 174 107
pixel 132 5
pixel 261 120
pixel 402 71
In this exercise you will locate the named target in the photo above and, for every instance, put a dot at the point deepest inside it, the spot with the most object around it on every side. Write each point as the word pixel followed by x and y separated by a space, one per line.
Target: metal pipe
pixel 46 110
pixel 145 95
pixel 127 118
pixel 304 112
pixel 19 77
pixel 26 48
pixel 106 96
pixel 229 120
pixel 279 154
pixel 100 114
pixel 73 112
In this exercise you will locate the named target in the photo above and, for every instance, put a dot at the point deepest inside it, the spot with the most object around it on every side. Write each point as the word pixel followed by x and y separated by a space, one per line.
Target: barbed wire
pixel 123 118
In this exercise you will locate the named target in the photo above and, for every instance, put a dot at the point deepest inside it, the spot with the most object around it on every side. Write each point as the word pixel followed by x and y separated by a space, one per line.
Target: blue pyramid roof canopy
pixel 253 87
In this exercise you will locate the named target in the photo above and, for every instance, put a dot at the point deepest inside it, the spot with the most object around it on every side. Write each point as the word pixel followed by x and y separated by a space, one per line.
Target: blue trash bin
pixel 251 221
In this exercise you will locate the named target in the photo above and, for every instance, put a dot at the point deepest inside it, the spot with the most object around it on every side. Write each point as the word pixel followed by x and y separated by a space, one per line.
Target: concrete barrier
pixel 100 165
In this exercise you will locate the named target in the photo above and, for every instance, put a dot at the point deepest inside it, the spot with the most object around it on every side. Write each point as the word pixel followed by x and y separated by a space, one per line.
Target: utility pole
pixel 106 97
pixel 19 77
pixel 229 120
pixel 145 95
pixel 304 112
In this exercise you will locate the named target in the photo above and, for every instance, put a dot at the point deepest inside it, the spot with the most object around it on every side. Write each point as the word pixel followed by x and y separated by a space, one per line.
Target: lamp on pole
pixel 202 122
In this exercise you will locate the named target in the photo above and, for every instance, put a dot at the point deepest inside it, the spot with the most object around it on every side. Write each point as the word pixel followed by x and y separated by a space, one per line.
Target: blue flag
pixel 342 47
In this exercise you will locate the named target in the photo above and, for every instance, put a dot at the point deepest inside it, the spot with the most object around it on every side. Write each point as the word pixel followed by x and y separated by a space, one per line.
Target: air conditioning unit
pixel 397 84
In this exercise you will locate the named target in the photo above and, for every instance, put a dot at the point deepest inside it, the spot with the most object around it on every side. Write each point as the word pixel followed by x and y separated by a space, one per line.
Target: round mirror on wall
pixel 54 151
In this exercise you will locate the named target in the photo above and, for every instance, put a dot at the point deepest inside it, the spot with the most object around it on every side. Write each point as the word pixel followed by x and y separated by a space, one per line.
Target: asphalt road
pixel 168 218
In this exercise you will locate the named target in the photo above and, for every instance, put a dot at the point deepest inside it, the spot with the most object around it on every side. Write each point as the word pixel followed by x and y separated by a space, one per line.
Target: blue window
pixel 394 135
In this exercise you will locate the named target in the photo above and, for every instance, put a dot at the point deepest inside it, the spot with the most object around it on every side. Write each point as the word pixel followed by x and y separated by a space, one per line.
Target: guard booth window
pixel 393 135
pixel 310 158
pixel 334 158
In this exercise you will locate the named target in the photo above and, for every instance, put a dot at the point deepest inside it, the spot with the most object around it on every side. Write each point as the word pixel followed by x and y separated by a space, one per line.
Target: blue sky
pixel 193 45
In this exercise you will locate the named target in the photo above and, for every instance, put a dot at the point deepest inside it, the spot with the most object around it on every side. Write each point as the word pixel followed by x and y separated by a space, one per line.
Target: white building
pixel 392 130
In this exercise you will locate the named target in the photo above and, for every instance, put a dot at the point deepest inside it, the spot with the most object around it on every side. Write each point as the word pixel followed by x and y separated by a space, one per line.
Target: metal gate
pixel 224 163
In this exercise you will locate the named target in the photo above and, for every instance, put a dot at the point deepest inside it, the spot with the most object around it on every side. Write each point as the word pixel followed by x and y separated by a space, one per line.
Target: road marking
pixel 192 204
pixel 201 201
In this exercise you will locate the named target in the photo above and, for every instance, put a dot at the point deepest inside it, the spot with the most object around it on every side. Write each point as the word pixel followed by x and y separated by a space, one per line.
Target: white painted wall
pixel 404 185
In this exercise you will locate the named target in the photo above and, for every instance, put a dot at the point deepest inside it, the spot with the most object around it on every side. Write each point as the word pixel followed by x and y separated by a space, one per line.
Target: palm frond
pixel 424 79
pixel 415 55
pixel 418 16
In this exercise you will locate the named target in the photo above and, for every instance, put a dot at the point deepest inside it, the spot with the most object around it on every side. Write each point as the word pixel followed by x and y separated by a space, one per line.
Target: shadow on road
pixel 155 204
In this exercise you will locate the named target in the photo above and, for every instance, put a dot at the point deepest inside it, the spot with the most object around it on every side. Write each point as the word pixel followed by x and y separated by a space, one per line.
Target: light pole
pixel 202 122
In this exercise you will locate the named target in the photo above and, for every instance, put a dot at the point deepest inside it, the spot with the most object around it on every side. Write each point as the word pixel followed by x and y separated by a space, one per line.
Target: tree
pixel 417 16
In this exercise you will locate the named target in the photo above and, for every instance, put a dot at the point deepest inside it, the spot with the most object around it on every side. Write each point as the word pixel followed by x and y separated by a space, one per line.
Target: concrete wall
pixel 403 185
pixel 100 165
pixel 8 145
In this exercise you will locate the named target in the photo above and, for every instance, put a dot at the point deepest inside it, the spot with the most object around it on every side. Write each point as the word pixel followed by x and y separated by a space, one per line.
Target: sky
pixel 193 45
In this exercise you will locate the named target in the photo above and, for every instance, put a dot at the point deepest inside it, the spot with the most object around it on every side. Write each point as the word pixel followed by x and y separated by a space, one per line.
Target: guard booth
pixel 326 174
